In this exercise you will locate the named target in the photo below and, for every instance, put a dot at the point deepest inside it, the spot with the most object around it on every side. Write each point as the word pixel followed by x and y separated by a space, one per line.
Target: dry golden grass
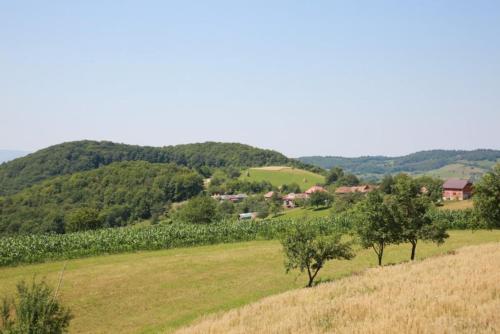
pixel 457 293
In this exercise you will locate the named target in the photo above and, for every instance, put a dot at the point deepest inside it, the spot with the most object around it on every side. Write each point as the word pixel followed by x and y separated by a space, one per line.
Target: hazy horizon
pixel 324 78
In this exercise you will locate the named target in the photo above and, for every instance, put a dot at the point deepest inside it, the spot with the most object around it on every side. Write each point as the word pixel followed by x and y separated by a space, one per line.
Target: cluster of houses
pixel 453 189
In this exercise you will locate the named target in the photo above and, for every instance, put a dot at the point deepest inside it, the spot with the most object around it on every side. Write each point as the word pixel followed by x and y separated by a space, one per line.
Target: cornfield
pixel 39 248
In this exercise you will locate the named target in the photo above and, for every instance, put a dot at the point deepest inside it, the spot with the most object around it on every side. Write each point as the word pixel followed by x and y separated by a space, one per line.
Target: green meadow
pixel 279 176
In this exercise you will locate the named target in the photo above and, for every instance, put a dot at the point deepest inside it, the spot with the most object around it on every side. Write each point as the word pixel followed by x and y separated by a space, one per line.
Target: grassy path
pixel 149 292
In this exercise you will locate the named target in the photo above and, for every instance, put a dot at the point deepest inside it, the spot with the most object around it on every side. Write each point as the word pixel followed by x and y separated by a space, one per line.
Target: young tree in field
pixel 410 211
pixel 375 225
pixel 487 198
pixel 308 250
pixel 35 310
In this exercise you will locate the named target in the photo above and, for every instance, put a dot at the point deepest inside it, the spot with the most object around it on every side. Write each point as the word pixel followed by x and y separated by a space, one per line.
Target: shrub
pixel 36 310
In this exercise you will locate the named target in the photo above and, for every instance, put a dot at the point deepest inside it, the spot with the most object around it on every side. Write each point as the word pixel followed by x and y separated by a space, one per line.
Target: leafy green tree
pixel 375 225
pixel 254 204
pixel 320 199
pixel 334 175
pixel 291 188
pixel 226 209
pixel 345 202
pixel 386 184
pixel 348 180
pixel 431 187
pixel 198 210
pixel 82 219
pixel 275 204
pixel 36 310
pixel 411 211
pixel 308 250
pixel 487 198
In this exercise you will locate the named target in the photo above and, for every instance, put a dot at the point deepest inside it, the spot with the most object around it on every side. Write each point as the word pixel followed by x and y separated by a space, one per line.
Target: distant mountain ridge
pixel 440 163
pixel 79 156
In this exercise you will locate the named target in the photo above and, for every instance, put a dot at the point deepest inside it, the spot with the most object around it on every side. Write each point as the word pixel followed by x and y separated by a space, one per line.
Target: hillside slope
pixel 453 293
pixel 440 163
pixel 85 155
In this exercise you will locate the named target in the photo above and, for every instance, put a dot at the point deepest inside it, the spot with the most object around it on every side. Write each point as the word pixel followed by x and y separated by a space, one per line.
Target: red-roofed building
pixel 455 189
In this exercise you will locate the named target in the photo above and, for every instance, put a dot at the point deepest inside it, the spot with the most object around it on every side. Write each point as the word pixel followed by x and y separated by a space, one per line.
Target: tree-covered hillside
pixel 80 156
pixel 477 161
pixel 112 195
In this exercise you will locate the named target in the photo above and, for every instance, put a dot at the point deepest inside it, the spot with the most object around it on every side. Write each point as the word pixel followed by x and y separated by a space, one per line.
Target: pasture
pixel 160 291
pixel 455 293
pixel 279 176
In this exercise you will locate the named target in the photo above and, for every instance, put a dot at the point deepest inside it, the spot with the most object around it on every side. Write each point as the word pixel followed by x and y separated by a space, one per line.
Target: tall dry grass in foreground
pixel 457 293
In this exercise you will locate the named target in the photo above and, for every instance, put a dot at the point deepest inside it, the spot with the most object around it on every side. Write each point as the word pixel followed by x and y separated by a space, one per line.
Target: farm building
pixel 315 189
pixel 289 201
pixel 356 189
pixel 456 189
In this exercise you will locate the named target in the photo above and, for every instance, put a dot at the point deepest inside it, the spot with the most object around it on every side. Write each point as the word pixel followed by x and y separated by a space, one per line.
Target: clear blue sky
pixel 302 77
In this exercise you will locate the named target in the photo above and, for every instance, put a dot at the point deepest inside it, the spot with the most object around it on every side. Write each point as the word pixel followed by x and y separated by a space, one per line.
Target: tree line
pixel 72 157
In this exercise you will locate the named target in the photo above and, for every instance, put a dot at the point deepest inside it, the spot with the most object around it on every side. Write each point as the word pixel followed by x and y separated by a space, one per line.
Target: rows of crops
pixel 39 248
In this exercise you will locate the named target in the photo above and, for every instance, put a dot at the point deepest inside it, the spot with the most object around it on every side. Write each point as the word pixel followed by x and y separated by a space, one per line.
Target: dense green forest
pixel 109 196
pixel 80 156
pixel 416 163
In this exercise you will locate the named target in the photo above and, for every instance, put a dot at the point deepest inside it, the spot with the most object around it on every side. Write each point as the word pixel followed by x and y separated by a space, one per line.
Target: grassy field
pixel 456 293
pixel 283 175
pixel 457 205
pixel 148 292
pixel 304 213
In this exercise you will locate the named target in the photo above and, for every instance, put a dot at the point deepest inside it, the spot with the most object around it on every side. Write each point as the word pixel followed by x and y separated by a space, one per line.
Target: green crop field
pixel 283 175
pixel 158 291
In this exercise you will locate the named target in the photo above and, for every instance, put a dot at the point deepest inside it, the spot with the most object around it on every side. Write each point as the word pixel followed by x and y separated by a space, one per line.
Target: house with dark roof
pixel 456 189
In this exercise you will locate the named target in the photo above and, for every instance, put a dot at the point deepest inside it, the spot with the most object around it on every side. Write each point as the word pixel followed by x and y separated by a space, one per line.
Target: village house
pixel 456 189
pixel 290 200
pixel 355 189
pixel 314 189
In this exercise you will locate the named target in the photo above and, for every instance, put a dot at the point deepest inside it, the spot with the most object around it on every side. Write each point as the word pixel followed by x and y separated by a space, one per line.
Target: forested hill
pixel 441 163
pixel 86 155
pixel 113 195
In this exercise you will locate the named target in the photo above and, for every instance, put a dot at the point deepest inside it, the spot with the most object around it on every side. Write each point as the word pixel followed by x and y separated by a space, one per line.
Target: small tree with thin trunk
pixel 411 212
pixel 307 249
pixel 375 225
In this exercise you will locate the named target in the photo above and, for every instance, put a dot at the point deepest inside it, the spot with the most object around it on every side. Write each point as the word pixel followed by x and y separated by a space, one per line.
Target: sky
pixel 346 78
